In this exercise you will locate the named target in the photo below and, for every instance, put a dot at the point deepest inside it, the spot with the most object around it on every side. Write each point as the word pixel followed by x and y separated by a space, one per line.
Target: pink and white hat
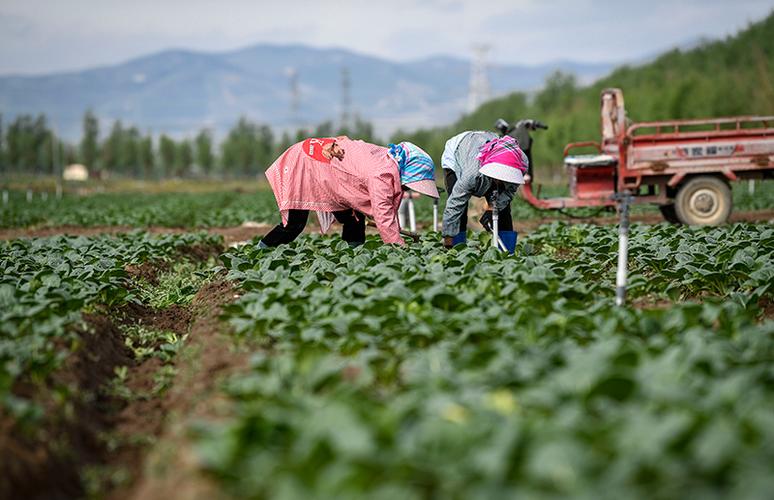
pixel 503 159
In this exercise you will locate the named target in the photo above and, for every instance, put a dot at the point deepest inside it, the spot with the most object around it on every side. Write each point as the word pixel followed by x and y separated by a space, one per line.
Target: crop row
pixel 45 285
pixel 668 262
pixel 232 208
pixel 422 373
pixel 142 210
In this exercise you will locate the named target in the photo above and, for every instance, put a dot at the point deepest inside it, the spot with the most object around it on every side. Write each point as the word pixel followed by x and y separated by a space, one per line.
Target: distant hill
pixel 179 92
pixel 734 76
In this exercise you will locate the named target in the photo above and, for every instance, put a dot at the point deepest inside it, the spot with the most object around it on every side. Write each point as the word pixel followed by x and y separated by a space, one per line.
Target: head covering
pixel 417 170
pixel 503 159
pixel 313 147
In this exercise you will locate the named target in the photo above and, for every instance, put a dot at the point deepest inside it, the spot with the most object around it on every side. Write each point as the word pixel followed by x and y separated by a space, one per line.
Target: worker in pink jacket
pixel 346 180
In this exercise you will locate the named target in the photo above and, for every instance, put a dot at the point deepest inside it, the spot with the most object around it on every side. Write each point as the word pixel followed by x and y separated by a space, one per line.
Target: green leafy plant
pixel 425 373
pixel 45 283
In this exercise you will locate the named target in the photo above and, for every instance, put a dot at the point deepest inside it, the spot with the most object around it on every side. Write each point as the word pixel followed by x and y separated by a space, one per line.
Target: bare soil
pixel 147 271
pixel 767 306
pixel 151 270
pixel 46 462
pixel 171 469
pixel 200 252
pixel 174 318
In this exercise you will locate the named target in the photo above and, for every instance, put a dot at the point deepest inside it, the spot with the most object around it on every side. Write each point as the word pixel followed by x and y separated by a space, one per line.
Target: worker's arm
pixel 384 211
pixel 447 158
pixel 455 205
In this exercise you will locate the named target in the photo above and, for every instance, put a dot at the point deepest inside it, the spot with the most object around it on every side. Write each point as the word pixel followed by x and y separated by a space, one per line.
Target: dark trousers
pixel 505 220
pixel 353 231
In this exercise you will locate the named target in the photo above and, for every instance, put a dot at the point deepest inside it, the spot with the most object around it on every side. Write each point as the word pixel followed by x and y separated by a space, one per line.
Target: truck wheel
pixel 703 201
pixel 669 213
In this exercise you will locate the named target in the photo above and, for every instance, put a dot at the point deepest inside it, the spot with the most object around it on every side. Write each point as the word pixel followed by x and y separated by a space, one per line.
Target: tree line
pixel 734 76
pixel 28 145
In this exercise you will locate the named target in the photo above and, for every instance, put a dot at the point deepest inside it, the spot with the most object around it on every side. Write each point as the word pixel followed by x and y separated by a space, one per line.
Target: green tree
pixel 247 148
pixel 284 143
pixel 13 141
pixel 44 160
pixel 325 129
pixel 3 164
pixel 90 141
pixel 70 155
pixel 42 146
pixel 183 158
pixel 145 157
pixel 264 149
pixel 29 146
pixel 167 153
pixel 111 158
pixel 363 130
pixel 129 152
pixel 204 157
pixel 558 92
pixel 302 134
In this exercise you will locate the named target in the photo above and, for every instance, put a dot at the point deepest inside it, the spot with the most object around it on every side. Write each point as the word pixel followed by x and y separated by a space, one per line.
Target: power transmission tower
pixel 346 101
pixel 479 82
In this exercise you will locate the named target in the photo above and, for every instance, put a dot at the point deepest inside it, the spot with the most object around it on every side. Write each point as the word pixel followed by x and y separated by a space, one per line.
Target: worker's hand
pixel 486 220
pixel 447 242
pixel 335 151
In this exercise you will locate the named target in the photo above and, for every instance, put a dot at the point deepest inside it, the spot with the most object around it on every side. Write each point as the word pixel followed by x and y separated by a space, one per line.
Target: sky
pixel 38 37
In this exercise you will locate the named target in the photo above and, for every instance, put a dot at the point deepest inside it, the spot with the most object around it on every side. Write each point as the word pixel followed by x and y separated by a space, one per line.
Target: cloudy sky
pixel 38 36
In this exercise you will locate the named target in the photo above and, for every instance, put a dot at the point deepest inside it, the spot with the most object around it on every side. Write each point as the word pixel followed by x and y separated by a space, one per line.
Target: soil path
pixel 171 469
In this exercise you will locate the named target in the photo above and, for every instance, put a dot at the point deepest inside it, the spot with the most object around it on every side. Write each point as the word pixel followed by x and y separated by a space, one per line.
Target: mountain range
pixel 179 92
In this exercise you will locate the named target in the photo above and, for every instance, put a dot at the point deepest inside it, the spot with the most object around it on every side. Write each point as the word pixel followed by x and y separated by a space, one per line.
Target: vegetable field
pixel 153 364
pixel 426 374
pixel 231 208
pixel 136 209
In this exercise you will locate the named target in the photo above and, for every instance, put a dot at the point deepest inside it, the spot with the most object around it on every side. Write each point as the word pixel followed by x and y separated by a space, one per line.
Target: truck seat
pixel 585 161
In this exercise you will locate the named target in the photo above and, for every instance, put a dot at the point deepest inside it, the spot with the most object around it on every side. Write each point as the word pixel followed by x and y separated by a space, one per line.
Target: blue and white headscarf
pixel 413 163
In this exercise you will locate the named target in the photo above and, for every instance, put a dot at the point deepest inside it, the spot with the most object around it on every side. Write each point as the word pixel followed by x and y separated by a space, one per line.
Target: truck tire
pixel 703 201
pixel 669 213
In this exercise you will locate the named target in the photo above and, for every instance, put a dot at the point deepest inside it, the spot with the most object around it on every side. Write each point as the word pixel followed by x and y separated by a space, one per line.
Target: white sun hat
pixel 504 160
pixel 503 172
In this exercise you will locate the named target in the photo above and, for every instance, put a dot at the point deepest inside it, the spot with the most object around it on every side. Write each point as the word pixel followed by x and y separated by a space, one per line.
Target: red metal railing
pixel 766 128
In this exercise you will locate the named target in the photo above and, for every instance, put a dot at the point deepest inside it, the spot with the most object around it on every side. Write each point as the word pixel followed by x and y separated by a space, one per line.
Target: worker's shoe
pixel 509 240
pixel 461 238
pixel 354 244
pixel 261 244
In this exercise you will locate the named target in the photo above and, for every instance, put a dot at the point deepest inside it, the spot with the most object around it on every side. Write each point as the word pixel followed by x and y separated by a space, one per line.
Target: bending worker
pixel 347 180
pixel 477 164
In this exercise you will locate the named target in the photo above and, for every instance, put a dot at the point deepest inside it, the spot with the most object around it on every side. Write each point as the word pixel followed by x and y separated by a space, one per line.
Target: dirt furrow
pixel 171 468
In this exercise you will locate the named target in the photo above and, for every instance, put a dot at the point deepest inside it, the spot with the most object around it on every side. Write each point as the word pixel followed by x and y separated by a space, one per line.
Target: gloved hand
pixel 448 241
pixel 486 220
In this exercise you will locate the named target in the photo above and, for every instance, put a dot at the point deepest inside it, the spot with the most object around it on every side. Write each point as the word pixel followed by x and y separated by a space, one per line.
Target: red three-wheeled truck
pixel 683 166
